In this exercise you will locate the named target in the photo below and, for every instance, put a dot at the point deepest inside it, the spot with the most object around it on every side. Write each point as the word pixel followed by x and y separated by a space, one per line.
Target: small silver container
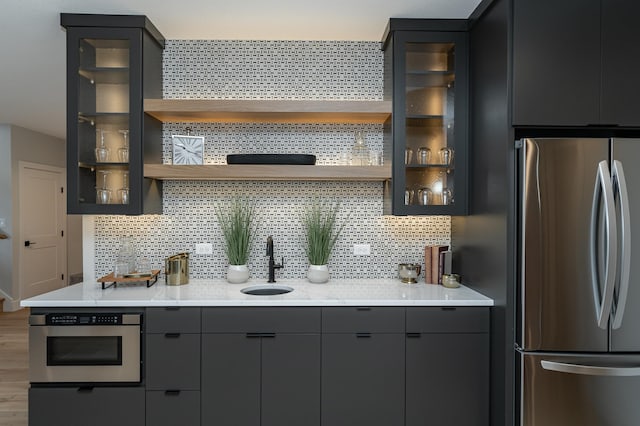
pixel 409 272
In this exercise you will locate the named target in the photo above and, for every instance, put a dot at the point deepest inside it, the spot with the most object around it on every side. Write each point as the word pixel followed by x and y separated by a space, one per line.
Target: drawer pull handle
pixel 363 335
pixel 85 389
pixel 363 308
pixel 172 392
pixel 254 335
pixel 172 335
pixel 172 308
pixel 448 308
pixel 413 335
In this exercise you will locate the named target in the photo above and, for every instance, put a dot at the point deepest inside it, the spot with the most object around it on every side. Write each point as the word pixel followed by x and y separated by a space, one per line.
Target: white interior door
pixel 43 253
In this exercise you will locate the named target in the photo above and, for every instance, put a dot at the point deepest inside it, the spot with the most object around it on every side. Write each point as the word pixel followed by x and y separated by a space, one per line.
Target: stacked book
pixel 437 261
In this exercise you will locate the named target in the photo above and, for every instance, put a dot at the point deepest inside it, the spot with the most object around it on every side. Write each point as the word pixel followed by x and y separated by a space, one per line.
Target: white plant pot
pixel 318 274
pixel 237 274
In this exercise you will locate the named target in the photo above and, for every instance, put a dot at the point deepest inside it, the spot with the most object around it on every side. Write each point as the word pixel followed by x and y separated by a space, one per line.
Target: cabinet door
pixel 291 380
pixel 556 62
pixel 173 361
pixel 173 408
pixel 444 371
pixel 230 387
pixel 87 406
pixel 429 123
pixel 620 62
pixel 363 379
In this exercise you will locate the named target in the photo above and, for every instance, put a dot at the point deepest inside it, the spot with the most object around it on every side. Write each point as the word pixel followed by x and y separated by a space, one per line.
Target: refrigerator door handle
pixel 590 370
pixel 603 301
pixel 625 232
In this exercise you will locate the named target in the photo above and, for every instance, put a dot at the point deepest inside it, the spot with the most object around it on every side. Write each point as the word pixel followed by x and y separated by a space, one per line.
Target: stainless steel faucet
pixel 272 264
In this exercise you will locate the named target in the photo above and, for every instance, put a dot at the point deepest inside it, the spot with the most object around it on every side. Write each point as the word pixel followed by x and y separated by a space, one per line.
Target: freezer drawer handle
pixel 604 301
pixel 590 370
pixel 620 184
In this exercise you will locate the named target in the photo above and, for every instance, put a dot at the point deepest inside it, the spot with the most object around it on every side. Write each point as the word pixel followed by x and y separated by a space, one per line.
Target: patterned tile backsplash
pixel 273 70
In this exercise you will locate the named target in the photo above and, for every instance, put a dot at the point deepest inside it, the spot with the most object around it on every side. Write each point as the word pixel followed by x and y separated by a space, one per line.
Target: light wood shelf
pixel 267 172
pixel 272 111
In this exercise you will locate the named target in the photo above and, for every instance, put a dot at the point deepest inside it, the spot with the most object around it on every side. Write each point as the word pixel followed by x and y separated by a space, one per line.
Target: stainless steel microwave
pixel 84 348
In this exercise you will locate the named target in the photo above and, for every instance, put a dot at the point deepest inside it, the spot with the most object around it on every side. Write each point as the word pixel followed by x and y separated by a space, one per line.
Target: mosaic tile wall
pixel 273 70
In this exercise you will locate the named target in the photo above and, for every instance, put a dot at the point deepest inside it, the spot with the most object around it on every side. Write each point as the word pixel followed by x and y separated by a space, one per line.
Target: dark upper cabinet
pixel 573 63
pixel 426 77
pixel 113 63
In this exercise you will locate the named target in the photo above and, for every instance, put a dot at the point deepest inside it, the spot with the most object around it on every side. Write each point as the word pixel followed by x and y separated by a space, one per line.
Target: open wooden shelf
pixel 272 111
pixel 267 172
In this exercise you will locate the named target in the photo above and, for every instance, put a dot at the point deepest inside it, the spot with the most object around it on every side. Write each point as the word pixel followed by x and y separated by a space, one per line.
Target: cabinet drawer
pixel 173 361
pixel 363 320
pixel 173 320
pixel 122 406
pixel 448 320
pixel 172 408
pixel 261 320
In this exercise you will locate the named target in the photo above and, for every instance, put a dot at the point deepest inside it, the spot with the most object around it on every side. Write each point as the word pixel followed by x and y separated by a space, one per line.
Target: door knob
pixel 28 243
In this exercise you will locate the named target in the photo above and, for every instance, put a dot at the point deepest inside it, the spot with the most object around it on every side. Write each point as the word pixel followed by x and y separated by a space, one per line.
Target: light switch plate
pixel 204 248
pixel 362 249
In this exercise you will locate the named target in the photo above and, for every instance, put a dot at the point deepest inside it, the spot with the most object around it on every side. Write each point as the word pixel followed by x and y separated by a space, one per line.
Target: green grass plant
pixel 321 233
pixel 236 222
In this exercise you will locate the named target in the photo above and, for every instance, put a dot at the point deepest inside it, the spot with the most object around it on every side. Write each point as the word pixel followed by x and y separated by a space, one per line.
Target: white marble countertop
pixel 200 292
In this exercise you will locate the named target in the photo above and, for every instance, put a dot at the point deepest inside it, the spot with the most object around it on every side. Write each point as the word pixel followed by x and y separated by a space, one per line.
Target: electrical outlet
pixel 204 248
pixel 362 249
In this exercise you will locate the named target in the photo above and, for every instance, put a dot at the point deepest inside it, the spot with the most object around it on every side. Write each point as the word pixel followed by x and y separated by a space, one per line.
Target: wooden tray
pixel 150 279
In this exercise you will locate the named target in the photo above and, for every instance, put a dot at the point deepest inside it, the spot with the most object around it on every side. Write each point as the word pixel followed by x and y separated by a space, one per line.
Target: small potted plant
pixel 236 222
pixel 321 234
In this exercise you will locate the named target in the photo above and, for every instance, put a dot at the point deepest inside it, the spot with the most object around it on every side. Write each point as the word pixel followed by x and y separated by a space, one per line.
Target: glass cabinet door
pixel 103 132
pixel 429 101
pixel 429 135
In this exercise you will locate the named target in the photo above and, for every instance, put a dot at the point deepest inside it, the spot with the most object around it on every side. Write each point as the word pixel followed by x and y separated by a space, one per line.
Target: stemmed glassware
pixel 123 151
pixel 124 191
pixel 102 152
pixel 103 193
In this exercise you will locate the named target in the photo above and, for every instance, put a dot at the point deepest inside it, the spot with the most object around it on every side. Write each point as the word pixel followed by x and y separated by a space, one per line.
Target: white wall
pixel 20 144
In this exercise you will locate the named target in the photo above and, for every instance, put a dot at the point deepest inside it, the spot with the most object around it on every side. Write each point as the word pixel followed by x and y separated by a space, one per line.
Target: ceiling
pixel 32 74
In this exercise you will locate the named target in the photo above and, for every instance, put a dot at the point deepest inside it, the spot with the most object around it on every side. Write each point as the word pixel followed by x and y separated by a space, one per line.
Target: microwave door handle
pixel 603 301
pixel 590 370
pixel 625 228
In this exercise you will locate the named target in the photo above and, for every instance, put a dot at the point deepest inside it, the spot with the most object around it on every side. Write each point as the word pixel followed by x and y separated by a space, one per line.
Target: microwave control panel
pixel 84 319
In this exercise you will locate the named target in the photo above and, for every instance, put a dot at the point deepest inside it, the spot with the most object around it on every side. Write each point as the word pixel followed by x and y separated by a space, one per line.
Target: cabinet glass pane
pixel 429 106
pixel 103 121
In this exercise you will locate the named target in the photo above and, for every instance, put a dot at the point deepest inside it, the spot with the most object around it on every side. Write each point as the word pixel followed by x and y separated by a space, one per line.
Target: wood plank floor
pixel 14 364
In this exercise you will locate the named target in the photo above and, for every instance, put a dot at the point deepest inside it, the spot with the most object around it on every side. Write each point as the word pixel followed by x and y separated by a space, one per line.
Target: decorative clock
pixel 188 149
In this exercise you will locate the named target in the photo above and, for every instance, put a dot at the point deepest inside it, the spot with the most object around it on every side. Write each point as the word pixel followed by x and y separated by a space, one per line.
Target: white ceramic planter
pixel 318 274
pixel 237 274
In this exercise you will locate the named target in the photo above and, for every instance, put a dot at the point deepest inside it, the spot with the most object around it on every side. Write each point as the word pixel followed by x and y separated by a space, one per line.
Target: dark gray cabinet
pixel 113 63
pixel 575 66
pixel 426 77
pixel 447 364
pixel 363 362
pixel 99 406
pixel 172 366
pixel 261 366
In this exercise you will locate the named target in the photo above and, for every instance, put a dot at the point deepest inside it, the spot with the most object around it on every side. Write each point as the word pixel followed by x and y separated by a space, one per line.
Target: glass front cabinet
pixel 113 63
pixel 426 78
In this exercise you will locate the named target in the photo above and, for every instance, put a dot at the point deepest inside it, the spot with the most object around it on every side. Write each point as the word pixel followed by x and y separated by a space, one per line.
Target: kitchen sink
pixel 266 290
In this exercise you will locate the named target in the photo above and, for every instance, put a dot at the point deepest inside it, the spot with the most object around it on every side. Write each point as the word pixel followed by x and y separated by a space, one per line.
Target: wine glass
pixel 123 151
pixel 123 193
pixel 103 193
pixel 102 152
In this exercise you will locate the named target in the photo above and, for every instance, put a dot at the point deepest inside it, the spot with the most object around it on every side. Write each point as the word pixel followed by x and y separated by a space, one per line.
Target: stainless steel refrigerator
pixel 578 307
